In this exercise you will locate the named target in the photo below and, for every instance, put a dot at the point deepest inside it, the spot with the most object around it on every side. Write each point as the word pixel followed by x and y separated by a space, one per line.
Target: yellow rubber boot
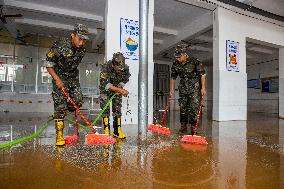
pixel 117 133
pixel 106 125
pixel 59 126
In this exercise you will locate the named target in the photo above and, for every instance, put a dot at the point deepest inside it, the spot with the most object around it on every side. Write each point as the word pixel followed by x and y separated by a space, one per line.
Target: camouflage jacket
pixel 109 77
pixel 65 59
pixel 189 73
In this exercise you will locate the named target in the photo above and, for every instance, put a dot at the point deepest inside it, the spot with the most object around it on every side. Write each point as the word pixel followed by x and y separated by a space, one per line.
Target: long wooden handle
pixel 104 108
pixel 78 110
pixel 77 124
pixel 166 109
pixel 198 115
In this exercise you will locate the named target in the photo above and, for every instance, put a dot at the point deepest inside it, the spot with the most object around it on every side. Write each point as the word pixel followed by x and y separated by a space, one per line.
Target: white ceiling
pixel 88 6
pixel 260 53
pixel 272 6
pixel 175 20
pixel 175 15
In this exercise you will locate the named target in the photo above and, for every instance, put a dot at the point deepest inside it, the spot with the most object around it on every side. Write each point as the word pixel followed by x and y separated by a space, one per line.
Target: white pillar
pixel 229 87
pixel 129 9
pixel 281 83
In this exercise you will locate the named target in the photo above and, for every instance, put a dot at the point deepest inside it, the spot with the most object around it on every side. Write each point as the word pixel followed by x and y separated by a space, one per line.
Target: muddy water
pixel 240 154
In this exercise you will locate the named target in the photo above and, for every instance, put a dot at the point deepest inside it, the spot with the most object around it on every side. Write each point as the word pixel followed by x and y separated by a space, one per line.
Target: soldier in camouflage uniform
pixel 191 86
pixel 62 62
pixel 114 75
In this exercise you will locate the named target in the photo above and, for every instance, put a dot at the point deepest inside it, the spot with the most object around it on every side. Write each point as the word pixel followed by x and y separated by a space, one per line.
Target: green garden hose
pixel 26 138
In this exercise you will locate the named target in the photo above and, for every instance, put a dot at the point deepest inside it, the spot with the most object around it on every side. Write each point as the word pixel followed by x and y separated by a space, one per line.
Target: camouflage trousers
pixel 189 104
pixel 62 104
pixel 116 104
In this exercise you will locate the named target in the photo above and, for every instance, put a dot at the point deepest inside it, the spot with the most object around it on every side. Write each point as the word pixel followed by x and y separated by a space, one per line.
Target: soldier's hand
pixel 59 84
pixel 172 92
pixel 123 92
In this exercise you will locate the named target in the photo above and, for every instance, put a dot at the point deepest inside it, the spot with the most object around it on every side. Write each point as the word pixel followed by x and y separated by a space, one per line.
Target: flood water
pixel 240 154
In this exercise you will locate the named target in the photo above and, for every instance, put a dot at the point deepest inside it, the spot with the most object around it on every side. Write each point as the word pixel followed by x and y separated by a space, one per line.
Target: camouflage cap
pixel 119 60
pixel 82 31
pixel 180 49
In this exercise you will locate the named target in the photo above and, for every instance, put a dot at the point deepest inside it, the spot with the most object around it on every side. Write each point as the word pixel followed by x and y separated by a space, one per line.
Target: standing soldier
pixel 62 64
pixel 114 75
pixel 191 87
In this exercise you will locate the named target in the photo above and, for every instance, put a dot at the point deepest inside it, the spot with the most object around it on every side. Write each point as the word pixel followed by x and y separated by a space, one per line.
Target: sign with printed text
pixel 129 38
pixel 232 56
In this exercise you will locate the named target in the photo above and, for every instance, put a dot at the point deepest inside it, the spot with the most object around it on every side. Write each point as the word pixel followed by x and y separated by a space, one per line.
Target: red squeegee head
pixel 90 138
pixel 195 139
pixel 158 128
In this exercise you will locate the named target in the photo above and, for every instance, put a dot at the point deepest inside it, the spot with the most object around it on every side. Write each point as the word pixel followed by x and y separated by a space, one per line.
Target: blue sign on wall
pixel 129 38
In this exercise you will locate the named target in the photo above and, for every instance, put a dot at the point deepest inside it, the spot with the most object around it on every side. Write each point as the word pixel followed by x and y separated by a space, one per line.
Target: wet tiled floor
pixel 240 154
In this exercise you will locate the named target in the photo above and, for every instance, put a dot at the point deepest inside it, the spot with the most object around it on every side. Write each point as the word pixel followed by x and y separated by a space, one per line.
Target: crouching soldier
pixel 114 75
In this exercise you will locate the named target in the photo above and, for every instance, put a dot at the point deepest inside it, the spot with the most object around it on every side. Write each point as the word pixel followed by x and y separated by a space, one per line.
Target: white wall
pixel 230 88
pixel 130 10
pixel 15 102
pixel 281 82
pixel 208 101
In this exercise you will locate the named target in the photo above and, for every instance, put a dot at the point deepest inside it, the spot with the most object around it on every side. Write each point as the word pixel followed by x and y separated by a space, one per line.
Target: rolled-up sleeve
pixel 200 68
pixel 121 84
pixel 48 64
pixel 109 85
pixel 52 56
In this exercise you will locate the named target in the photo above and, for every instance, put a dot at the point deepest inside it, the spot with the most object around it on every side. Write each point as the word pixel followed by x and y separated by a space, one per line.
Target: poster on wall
pixel 129 38
pixel 232 55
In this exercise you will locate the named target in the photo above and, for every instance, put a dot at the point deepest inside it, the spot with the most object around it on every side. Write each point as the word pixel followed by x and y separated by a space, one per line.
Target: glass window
pixel 45 76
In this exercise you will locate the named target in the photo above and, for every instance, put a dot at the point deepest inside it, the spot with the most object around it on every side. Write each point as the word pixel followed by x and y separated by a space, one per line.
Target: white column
pixel 229 87
pixel 129 9
pixel 281 83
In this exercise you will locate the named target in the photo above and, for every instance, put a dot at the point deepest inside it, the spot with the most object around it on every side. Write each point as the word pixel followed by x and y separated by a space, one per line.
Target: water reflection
pixel 240 154
pixel 281 134
pixel 176 167
pixel 281 143
pixel 230 151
